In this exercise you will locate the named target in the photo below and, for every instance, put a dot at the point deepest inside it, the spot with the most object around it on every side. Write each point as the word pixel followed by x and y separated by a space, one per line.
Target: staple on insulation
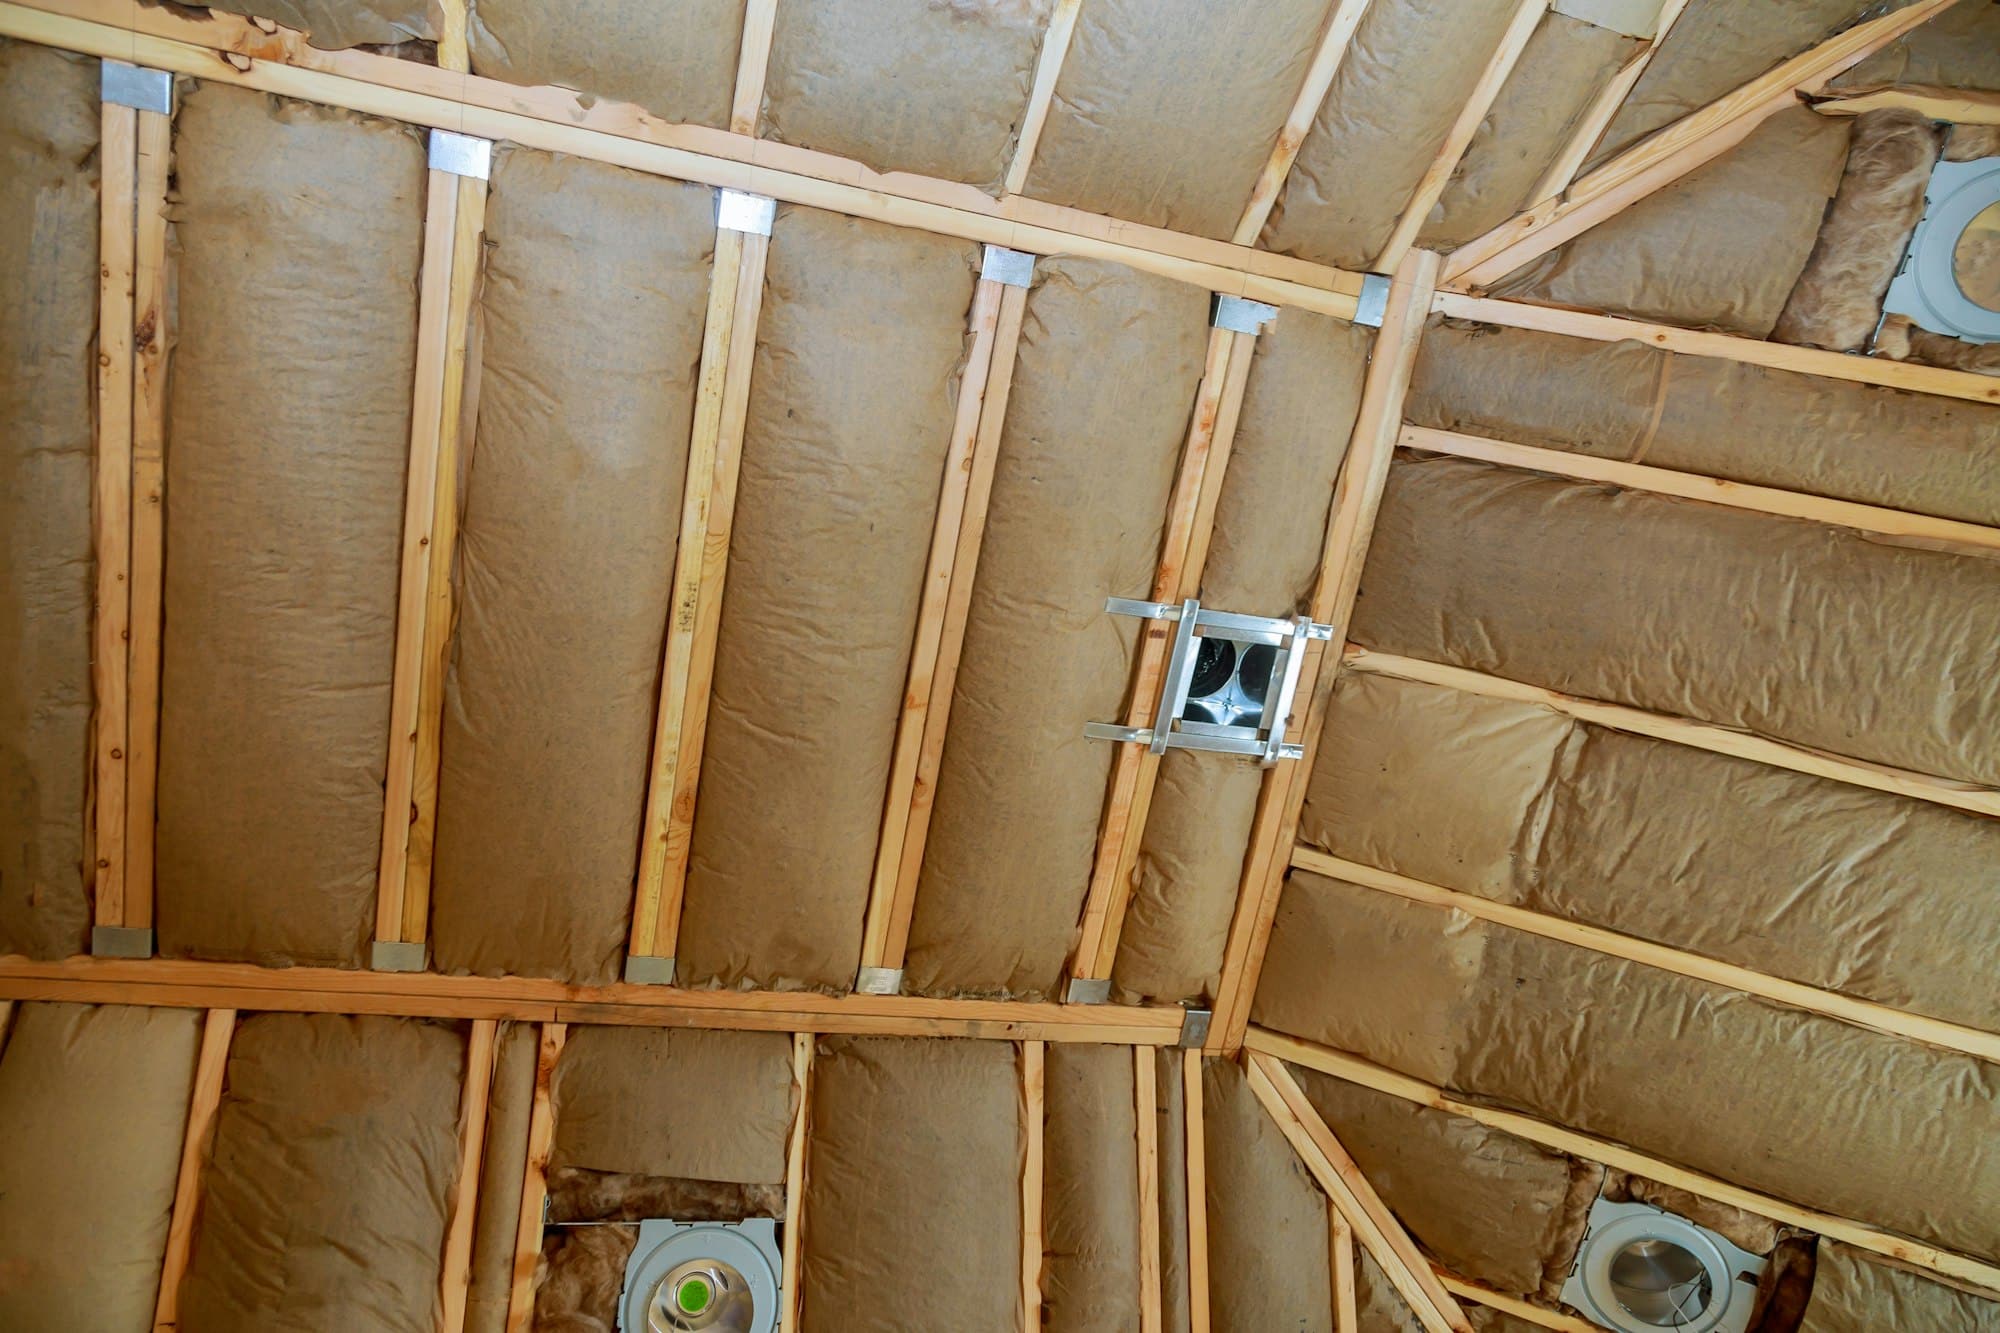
pixel 288 417
pixel 861 348
pixel 590 321
pixel 48 323
pixel 677 61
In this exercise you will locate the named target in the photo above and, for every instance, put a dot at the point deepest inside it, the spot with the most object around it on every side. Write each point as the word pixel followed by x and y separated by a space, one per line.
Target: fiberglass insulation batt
pixel 1258 1189
pixel 324 1193
pixel 1166 110
pixel 860 348
pixel 93 1108
pixel 1854 1292
pixel 1090 1188
pixel 590 326
pixel 1263 559
pixel 1810 1109
pixel 1079 503
pixel 913 1193
pixel 509 1106
pixel 300 233
pixel 675 58
pixel 48 324
pixel 335 24
pixel 930 86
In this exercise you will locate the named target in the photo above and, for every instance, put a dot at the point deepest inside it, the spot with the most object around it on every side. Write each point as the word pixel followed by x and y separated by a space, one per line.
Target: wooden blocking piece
pixel 213 1062
pixel 535 1182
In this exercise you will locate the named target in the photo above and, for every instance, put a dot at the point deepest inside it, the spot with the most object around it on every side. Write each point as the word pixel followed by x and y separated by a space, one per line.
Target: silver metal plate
pixel 1926 288
pixel 1239 315
pixel 1088 990
pixel 642 970
pixel 879 981
pixel 121 941
pixel 138 87
pixel 397 956
pixel 1194 1027
pixel 738 211
pixel 1373 303
pixel 461 154
pixel 1015 268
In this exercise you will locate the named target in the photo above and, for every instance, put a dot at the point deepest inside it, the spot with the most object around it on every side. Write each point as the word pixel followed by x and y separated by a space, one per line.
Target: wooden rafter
pixel 753 60
pixel 1513 1305
pixel 1597 117
pixel 1356 1199
pixel 1041 95
pixel 1673 152
pixel 1341 25
pixel 789 1305
pixel 1340 1257
pixel 1959 106
pixel 535 1181
pixel 218 1027
pixel 1527 17
pixel 455 1272
pixel 1357 496
pixel 1033 1077
pixel 1353 1069
pixel 1196 1134
pixel 1146 1106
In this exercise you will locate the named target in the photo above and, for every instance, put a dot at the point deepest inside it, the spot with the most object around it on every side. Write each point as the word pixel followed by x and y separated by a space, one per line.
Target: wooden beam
pixel 1341 24
pixel 148 550
pixel 1041 95
pixel 1032 1061
pixel 1603 108
pixel 413 592
pixel 1356 1199
pixel 1970 537
pixel 111 512
pixel 1340 1247
pixel 701 563
pixel 887 932
pixel 1793 994
pixel 1722 346
pixel 1146 1102
pixel 1685 731
pixel 441 606
pixel 789 1305
pixel 210 1066
pixel 1527 17
pixel 455 1273
pixel 753 59
pixel 1196 1135
pixel 1353 1069
pixel 181 983
pixel 1673 152
pixel 558 120
pixel 1357 496
pixel 1183 549
pixel 535 1182
pixel 453 51
pixel 1513 1305
pixel 964 465
pixel 1959 106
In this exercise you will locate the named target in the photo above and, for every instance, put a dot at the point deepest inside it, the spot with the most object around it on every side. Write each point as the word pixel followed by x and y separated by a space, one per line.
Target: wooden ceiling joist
pixel 1962 1268
pixel 455 1272
pixel 1034 1078
pixel 1041 94
pixel 218 1028
pixel 1146 1098
pixel 1597 117
pixel 1513 1305
pixel 753 60
pixel 1341 26
pixel 535 1181
pixel 1195 1132
pixel 1340 1256
pixel 803 1048
pixel 1666 156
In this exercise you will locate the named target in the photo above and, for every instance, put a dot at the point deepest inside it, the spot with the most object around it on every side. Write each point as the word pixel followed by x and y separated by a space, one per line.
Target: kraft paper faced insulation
pixel 93 1108
pixel 288 421
pixel 913 1196
pixel 860 348
pixel 1263 559
pixel 324 1195
pixel 1378 1306
pixel 1853 1292
pixel 1258 1190
pixel 1868 893
pixel 691 1104
pixel 1167 110
pixel 509 1105
pixel 1840 1118
pixel 1380 129
pixel 48 323
pixel 674 58
pixel 1079 504
pixel 333 25
pixel 1959 48
pixel 1719 248
pixel 931 86
pixel 1090 1188
pixel 590 329
pixel 1720 418
pixel 1807 633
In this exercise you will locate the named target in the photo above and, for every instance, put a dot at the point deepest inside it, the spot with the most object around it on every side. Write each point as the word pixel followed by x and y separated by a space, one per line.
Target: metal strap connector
pixel 1014 268
pixel 737 211
pixel 461 154
pixel 1240 315
pixel 136 86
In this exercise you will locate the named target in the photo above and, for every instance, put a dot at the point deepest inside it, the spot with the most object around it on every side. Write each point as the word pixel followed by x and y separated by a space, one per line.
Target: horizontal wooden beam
pixel 1960 106
pixel 1797 995
pixel 1974 537
pixel 1722 346
pixel 179 983
pixel 1686 731
pixel 1353 1069
pixel 225 49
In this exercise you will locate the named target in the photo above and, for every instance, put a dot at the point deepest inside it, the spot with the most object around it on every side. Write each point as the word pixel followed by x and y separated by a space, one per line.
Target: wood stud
pixel 1146 1105
pixel 1197 1191
pixel 1341 25
pixel 752 61
pixel 1041 95
pixel 535 1182
pixel 218 1027
pixel 455 1272
pixel 1597 117
pixel 790 1302
pixel 1340 1244
pixel 1032 1081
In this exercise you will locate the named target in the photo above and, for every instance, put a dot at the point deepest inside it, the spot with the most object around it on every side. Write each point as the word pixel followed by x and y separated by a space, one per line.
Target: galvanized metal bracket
pixel 879 981
pixel 136 86
pixel 645 970
pixel 1194 1027
pixel 398 956
pixel 736 210
pixel 1373 303
pixel 1089 990
pixel 1240 315
pixel 1014 268
pixel 461 154
pixel 121 942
